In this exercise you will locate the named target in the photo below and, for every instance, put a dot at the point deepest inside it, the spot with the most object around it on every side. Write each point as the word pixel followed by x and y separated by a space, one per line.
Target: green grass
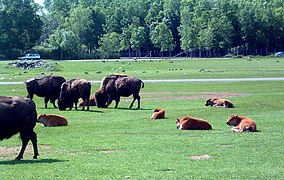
pixel 165 69
pixel 125 144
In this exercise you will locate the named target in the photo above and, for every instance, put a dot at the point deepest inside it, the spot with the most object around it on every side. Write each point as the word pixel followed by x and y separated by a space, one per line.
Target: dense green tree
pixel 20 26
pixel 162 37
pixel 109 44
pixel 64 41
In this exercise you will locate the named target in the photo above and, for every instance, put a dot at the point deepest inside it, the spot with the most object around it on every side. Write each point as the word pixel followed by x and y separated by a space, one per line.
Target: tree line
pixel 79 29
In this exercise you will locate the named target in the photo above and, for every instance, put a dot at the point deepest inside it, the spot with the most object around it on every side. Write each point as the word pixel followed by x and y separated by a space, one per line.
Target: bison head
pixel 64 103
pixel 233 120
pixel 101 97
pixel 209 102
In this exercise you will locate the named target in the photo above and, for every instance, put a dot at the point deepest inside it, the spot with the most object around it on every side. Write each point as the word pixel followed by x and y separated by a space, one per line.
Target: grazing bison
pixel 114 86
pixel 18 115
pixel 241 124
pixel 218 102
pixel 46 86
pixel 159 113
pixel 49 120
pixel 71 91
pixel 191 123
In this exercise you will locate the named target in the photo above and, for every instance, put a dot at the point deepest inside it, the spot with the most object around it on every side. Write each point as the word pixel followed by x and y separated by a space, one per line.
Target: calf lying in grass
pixel 218 102
pixel 241 124
pixel 191 123
pixel 49 120
pixel 159 113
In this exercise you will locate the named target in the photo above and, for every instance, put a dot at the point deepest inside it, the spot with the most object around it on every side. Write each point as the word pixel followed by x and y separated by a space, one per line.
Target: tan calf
pixel 241 124
pixel 159 113
pixel 218 102
pixel 191 123
pixel 49 120
pixel 92 102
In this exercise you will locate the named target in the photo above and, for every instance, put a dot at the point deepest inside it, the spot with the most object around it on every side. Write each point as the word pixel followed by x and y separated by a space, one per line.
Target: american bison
pixel 45 86
pixel 159 113
pixel 49 120
pixel 18 114
pixel 218 102
pixel 114 86
pixel 241 124
pixel 71 91
pixel 191 123
pixel 92 101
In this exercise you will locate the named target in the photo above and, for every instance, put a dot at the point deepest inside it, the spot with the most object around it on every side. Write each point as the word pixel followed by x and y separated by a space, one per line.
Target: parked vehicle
pixel 279 54
pixel 30 57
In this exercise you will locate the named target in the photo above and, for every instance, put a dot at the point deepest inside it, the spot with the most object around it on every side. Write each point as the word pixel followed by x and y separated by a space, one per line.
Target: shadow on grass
pixel 34 161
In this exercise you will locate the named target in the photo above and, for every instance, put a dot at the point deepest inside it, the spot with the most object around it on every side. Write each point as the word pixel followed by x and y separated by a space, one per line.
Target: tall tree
pixel 162 37
pixel 20 26
pixel 109 45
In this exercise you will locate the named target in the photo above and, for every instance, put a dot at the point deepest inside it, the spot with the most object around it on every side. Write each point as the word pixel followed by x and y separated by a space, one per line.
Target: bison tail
pixel 142 83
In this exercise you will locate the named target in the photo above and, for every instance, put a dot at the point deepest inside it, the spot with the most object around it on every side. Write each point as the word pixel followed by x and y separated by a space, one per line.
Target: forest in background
pixel 87 29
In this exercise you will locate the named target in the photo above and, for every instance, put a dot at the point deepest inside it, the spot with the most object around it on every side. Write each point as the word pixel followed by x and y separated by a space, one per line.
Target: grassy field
pixel 124 144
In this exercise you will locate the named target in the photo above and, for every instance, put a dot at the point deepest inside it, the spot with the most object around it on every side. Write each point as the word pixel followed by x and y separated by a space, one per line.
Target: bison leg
pixel 30 95
pixel 53 102
pixel 117 101
pixel 25 139
pixel 46 99
pixel 34 142
pixel 138 100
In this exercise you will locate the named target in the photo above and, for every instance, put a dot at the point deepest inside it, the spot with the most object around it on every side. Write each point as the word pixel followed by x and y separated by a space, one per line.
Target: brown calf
pixel 159 113
pixel 49 120
pixel 191 123
pixel 241 124
pixel 218 102
pixel 92 102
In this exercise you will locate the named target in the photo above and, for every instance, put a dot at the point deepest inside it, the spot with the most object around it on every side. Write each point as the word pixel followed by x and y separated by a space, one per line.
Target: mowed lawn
pixel 125 144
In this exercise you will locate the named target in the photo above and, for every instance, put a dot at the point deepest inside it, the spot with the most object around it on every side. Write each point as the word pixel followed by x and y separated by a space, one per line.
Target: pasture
pixel 125 144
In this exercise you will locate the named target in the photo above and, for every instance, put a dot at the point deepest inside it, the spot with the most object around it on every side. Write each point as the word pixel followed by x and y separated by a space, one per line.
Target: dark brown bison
pixel 71 91
pixel 114 86
pixel 18 115
pixel 46 86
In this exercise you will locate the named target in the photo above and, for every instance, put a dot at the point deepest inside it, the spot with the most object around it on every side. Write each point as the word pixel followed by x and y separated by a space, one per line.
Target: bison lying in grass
pixel 191 123
pixel 159 113
pixel 241 123
pixel 18 115
pixel 46 86
pixel 218 102
pixel 49 120
pixel 71 91
pixel 114 86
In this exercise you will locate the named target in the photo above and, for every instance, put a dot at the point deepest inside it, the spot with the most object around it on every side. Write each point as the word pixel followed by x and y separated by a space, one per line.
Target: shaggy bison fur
pixel 114 86
pixel 18 115
pixel 71 91
pixel 45 86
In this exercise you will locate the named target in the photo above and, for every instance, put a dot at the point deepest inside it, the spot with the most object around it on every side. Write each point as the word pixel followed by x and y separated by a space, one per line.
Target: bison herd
pixel 19 115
